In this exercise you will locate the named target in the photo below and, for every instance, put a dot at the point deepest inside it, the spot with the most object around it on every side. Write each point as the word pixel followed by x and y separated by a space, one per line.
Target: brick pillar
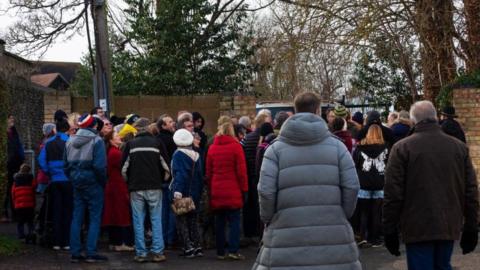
pixel 467 105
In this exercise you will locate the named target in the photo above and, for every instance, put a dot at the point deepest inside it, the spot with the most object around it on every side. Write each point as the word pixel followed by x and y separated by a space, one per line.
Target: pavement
pixel 36 257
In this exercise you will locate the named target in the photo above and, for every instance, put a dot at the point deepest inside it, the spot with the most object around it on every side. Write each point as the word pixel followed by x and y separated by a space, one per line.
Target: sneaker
pixel 377 244
pixel 189 253
pixel 66 248
pixel 364 244
pixel 159 258
pixel 77 259
pixel 221 257
pixel 235 257
pixel 198 252
pixel 96 258
pixel 56 248
pixel 123 247
pixel 140 259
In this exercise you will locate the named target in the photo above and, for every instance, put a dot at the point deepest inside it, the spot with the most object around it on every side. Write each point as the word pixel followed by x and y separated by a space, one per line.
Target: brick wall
pixel 238 105
pixel 467 105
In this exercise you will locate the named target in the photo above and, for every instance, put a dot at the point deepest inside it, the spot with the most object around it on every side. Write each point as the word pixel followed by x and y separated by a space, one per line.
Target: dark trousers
pixel 168 218
pixel 251 213
pixel 187 226
pixel 233 219
pixel 370 219
pixel 24 216
pixel 432 255
pixel 8 203
pixel 120 235
pixel 62 201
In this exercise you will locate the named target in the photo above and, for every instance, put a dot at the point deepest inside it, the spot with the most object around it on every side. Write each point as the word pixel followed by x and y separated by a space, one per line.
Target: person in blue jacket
pixel 187 171
pixel 51 162
pixel 86 166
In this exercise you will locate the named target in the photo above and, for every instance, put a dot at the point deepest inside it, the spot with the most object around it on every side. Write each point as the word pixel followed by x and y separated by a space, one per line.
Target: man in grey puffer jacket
pixel 308 189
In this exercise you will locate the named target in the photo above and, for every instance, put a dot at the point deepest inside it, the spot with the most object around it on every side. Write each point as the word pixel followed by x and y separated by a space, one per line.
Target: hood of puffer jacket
pixel 304 129
pixel 83 136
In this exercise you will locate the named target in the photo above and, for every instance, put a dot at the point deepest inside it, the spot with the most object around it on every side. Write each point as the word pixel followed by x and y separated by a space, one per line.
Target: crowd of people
pixel 309 188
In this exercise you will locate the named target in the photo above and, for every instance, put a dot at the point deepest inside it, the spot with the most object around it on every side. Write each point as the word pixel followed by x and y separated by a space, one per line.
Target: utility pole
pixel 102 83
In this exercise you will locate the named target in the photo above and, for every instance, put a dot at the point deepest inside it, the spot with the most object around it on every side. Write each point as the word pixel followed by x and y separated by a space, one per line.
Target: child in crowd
pixel 23 195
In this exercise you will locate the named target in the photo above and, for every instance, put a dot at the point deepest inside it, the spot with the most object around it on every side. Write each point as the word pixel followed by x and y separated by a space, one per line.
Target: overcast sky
pixel 64 50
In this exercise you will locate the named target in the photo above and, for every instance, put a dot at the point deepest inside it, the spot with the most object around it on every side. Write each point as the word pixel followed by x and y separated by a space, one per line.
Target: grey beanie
pixel 141 124
pixel 48 128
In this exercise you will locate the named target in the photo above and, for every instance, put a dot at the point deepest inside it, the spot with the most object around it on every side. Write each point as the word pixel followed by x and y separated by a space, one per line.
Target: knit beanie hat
pixel 47 128
pixel 373 117
pixel 358 117
pixel 59 114
pixel 86 121
pixel 340 111
pixel 132 118
pixel 265 129
pixel 183 137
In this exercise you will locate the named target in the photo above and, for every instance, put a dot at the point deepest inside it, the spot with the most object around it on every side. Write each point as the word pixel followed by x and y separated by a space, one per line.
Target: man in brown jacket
pixel 431 194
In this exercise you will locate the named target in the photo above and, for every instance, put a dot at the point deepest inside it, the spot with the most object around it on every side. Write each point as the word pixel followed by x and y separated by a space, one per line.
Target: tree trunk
pixel 434 22
pixel 472 17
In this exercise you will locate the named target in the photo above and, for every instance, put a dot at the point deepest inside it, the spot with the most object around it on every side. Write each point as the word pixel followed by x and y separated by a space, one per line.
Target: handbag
pixel 185 205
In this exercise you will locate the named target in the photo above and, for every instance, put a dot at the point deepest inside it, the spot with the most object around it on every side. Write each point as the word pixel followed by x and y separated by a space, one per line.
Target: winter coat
pixel 308 189
pixel 453 128
pixel 346 137
pixel 15 153
pixel 144 163
pixel 85 159
pixel 261 151
pixel 166 137
pixel 184 180
pixel 400 130
pixel 116 210
pixel 431 190
pixel 371 161
pixel 51 157
pixel 23 191
pixel 226 173
pixel 42 178
pixel 250 143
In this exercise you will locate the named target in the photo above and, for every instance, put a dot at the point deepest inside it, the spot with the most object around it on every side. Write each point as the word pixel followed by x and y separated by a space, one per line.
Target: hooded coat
pixel 371 161
pixel 85 159
pixel 308 189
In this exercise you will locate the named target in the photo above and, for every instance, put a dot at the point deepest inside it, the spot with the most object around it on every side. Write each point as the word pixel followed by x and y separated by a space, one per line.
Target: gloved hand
pixel 469 241
pixel 245 197
pixel 392 243
pixel 177 195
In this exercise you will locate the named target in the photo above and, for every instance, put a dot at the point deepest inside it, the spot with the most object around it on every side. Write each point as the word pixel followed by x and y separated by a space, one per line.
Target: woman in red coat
pixel 227 179
pixel 116 212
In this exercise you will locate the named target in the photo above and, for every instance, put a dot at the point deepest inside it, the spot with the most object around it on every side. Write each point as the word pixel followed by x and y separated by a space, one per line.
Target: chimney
pixel 2 46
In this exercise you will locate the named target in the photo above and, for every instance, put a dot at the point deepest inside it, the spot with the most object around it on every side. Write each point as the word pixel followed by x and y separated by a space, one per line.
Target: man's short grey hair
pixel 423 110
pixel 141 124
pixel 245 121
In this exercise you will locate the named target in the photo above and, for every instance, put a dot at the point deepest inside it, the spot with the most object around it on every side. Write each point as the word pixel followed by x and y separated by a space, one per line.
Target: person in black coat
pixel 373 117
pixel 450 125
pixel 15 158
pixel 166 128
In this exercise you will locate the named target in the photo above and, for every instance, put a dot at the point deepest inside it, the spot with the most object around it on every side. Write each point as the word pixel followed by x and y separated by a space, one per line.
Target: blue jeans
pixel 233 218
pixel 168 218
pixel 91 198
pixel 432 255
pixel 153 200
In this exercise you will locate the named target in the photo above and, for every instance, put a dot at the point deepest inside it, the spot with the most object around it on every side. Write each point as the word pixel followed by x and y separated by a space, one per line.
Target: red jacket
pixel 23 191
pixel 116 211
pixel 226 173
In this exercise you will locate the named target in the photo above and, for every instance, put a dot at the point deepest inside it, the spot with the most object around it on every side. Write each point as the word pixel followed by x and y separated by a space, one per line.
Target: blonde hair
pixel 225 126
pixel 73 119
pixel 374 136
pixel 260 119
